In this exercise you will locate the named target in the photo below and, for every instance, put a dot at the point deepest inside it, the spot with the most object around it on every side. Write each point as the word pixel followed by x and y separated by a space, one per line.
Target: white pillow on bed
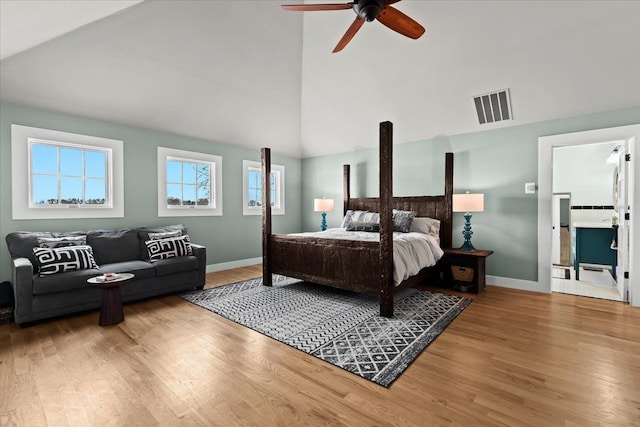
pixel 425 225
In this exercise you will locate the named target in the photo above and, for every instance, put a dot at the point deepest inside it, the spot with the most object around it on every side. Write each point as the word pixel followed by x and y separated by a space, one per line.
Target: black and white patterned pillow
pixel 61 242
pixel 372 227
pixel 402 220
pixel 359 216
pixel 165 235
pixel 59 260
pixel 168 248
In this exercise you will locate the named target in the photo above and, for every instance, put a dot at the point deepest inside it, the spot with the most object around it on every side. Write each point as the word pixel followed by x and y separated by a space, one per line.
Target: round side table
pixel 111 312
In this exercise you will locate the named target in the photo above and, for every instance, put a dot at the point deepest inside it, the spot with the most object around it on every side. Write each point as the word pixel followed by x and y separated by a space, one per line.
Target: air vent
pixel 493 107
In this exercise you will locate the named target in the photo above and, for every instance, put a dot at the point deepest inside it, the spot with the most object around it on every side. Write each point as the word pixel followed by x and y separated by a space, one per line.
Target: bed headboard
pixel 438 207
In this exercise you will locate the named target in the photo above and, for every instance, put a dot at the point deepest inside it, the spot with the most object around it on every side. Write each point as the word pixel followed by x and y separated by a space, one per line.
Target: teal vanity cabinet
pixel 593 246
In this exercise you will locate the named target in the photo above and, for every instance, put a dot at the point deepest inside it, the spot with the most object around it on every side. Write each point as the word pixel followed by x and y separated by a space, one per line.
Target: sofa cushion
pixel 169 248
pixel 114 245
pixel 62 282
pixel 168 266
pixel 68 258
pixel 141 269
pixel 143 235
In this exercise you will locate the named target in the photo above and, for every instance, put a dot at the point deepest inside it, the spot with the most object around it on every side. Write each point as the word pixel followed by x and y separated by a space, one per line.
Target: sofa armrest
pixel 200 252
pixel 22 281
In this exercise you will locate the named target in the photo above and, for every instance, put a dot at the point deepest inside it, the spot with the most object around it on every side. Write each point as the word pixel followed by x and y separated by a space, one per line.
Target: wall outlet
pixel 530 188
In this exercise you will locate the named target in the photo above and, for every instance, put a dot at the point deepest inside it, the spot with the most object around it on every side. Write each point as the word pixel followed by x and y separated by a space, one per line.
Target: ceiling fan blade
pixel 400 23
pixel 314 7
pixel 351 31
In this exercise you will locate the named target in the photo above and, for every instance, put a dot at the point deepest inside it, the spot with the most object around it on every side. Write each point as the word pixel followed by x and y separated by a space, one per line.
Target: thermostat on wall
pixel 530 188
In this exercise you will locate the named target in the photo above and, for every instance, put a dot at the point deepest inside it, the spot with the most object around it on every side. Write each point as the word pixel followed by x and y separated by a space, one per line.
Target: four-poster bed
pixel 361 266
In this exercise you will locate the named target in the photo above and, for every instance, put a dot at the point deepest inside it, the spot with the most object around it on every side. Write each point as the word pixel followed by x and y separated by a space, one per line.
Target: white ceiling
pixel 236 71
pixel 27 23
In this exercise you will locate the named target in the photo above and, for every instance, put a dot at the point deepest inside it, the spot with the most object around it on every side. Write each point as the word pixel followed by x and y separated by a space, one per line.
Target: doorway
pixel 592 212
pixel 585 226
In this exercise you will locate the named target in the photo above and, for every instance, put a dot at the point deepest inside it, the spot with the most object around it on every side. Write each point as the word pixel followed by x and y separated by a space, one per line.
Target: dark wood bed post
pixel 346 188
pixel 386 220
pixel 265 155
pixel 446 235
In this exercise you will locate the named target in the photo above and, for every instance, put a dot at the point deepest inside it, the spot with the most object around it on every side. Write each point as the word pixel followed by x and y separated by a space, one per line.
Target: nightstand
pixel 465 270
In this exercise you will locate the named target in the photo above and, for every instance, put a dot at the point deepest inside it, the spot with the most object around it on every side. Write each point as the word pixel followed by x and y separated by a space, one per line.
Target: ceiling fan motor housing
pixel 369 9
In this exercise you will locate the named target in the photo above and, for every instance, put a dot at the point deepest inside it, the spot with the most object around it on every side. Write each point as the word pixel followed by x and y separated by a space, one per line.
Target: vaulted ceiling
pixel 250 74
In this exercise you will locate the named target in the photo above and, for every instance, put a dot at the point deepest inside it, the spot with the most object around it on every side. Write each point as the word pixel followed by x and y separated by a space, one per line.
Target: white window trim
pixel 257 210
pixel 20 175
pixel 165 211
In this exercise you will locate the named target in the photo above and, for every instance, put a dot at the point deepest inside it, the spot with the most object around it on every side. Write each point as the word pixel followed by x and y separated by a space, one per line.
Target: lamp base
pixel 467 233
pixel 467 246
pixel 323 225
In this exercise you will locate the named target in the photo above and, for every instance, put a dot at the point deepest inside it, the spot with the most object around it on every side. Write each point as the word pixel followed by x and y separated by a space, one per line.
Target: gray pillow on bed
pixel 402 220
pixel 373 227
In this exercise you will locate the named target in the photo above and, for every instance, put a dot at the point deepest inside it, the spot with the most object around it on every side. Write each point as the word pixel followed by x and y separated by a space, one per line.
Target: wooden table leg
pixel 111 312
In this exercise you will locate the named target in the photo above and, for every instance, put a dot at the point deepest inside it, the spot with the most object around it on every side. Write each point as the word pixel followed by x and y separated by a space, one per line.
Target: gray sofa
pixel 115 251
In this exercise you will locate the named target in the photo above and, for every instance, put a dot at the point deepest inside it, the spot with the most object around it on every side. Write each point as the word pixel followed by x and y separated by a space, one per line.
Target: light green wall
pixel 228 238
pixel 495 162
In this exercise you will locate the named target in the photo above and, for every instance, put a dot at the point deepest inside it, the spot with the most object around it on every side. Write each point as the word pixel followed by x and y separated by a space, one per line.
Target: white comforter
pixel 411 251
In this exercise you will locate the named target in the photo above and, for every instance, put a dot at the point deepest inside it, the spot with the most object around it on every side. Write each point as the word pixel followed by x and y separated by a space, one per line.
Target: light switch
pixel 530 188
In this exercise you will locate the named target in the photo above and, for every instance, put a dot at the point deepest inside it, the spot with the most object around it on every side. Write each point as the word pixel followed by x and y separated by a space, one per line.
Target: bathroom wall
pixel 583 172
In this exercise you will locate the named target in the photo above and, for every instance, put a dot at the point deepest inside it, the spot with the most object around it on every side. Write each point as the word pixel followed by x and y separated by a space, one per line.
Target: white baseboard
pixel 211 268
pixel 524 285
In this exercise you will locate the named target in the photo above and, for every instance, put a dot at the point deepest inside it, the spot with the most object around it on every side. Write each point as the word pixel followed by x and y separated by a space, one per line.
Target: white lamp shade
pixel 468 202
pixel 323 205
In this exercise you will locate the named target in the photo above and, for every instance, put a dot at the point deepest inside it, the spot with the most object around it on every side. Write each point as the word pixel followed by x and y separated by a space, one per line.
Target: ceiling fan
pixel 367 10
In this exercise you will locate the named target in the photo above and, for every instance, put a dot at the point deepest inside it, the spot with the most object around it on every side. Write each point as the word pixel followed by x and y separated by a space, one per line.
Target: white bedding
pixel 411 251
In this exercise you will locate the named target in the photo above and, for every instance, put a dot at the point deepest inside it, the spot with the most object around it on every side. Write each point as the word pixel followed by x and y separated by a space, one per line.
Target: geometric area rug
pixel 341 327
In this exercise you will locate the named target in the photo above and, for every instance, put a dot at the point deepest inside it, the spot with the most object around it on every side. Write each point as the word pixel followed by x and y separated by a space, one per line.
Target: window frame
pixel 215 162
pixel 23 207
pixel 279 188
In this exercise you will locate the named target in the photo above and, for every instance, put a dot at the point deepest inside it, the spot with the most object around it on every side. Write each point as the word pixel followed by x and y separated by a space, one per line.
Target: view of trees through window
pixel 66 175
pixel 254 187
pixel 188 183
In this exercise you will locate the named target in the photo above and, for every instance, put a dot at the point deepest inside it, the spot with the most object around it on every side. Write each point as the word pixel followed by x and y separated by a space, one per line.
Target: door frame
pixel 545 208
pixel 556 240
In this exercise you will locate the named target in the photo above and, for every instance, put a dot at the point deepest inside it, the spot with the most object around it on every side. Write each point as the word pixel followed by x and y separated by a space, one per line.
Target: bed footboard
pixel 345 264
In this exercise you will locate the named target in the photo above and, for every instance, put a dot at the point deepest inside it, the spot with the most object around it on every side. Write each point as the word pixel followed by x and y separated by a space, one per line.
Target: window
pixel 64 170
pixel 67 174
pixel 252 184
pixel 189 183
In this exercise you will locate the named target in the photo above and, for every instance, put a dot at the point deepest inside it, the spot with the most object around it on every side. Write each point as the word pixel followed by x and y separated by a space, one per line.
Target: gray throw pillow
pixel 402 220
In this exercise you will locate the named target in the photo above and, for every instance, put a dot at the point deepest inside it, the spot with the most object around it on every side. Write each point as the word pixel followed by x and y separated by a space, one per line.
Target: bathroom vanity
pixel 592 245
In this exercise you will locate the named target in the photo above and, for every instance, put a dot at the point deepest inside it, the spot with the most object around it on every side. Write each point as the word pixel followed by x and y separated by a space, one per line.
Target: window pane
pixel 95 191
pixel 95 164
pixel 203 196
pixel 174 194
pixel 45 190
pixel 70 190
pixel 253 199
pixel 189 195
pixel 203 175
pixel 174 171
pixel 44 159
pixel 188 173
pixel 70 161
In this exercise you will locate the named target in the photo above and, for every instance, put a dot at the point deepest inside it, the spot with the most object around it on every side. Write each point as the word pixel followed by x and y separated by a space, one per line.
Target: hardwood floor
pixel 511 358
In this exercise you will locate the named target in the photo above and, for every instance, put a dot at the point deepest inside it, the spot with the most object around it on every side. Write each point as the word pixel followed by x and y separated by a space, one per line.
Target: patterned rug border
pixel 395 367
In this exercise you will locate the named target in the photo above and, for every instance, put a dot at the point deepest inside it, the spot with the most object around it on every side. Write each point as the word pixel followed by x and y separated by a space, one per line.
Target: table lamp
pixel 323 205
pixel 468 203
